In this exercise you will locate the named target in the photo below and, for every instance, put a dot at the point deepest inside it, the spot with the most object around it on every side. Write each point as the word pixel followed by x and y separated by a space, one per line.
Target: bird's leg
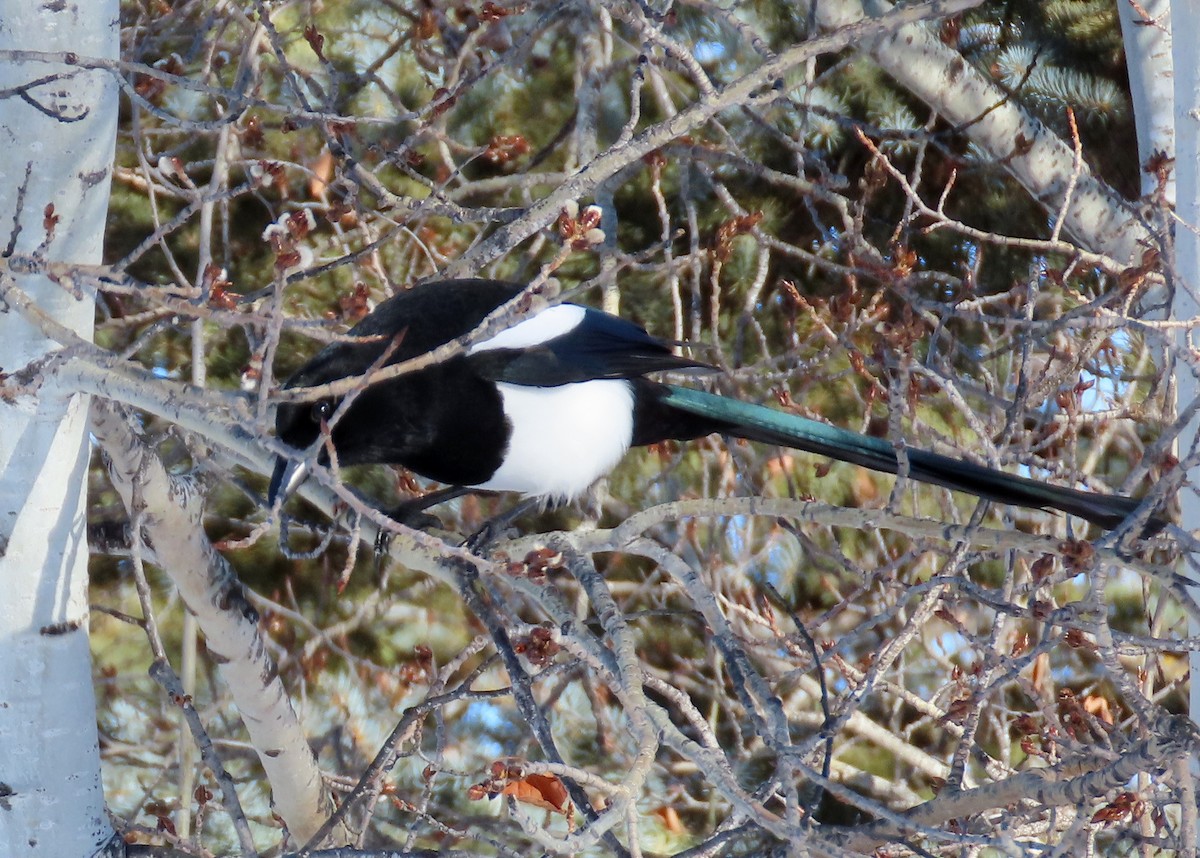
pixel 497 525
pixel 411 513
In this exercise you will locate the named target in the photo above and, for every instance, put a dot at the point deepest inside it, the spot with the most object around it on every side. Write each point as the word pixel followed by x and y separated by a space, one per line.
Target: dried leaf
pixel 1098 707
pixel 544 791
pixel 670 819
pixel 322 172
pixel 1041 673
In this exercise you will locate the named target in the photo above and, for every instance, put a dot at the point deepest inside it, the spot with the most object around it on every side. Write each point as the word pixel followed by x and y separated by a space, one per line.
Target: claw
pixel 492 531
pixel 410 515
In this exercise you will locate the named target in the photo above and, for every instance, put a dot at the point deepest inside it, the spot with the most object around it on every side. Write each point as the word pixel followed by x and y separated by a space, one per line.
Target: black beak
pixel 287 477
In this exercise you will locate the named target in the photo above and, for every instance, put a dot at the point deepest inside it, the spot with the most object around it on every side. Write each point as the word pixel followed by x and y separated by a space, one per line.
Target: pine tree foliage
pixel 1020 68
pixel 1092 23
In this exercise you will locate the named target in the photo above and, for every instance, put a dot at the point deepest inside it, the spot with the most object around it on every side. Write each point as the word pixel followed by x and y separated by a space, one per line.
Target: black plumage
pixel 548 406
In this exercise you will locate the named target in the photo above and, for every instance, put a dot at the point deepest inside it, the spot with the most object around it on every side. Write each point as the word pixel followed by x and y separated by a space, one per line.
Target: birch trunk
pixel 57 133
pixel 1146 33
pixel 1185 31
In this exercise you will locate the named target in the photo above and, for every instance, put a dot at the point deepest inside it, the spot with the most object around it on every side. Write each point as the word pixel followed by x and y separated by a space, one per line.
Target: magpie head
pixel 355 435
pixel 299 425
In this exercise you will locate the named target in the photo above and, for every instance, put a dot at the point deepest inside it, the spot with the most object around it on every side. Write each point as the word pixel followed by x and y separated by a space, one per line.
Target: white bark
pixel 1186 32
pixel 1146 32
pixel 63 130
pixel 918 60
pixel 171 523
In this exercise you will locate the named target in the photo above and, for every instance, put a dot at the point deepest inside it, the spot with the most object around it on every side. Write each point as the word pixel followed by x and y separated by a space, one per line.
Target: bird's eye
pixel 321 411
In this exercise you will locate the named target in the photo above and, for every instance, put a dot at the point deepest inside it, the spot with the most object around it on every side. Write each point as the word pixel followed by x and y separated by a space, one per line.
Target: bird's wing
pixel 579 344
pixel 409 324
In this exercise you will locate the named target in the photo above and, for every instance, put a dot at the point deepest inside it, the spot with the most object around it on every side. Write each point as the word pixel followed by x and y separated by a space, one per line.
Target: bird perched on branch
pixel 549 405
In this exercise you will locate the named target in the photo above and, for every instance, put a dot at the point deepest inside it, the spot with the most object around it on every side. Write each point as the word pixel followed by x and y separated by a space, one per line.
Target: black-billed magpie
pixel 549 405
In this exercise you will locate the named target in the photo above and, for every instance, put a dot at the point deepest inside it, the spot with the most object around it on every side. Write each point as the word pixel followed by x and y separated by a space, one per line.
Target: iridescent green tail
pixel 766 425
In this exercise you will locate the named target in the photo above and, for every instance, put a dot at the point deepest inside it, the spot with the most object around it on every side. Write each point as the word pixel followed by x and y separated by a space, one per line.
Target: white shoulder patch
pixel 537 329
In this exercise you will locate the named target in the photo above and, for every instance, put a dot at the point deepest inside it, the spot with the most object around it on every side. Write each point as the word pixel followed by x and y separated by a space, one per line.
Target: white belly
pixel 563 438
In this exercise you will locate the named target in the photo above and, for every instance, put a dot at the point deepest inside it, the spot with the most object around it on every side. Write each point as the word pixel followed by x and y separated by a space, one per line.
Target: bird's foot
pixel 493 530
pixel 410 515
pixel 499 527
